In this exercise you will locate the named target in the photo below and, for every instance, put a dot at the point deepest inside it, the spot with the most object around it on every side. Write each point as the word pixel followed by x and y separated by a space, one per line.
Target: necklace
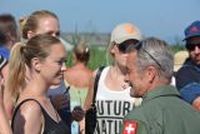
pixel 55 112
pixel 57 116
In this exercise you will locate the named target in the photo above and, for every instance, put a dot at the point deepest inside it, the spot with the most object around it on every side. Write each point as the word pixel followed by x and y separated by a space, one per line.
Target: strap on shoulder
pixel 18 106
pixel 96 83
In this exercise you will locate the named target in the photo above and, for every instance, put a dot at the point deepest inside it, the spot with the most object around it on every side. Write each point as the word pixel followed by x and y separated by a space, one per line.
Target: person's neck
pixel 157 83
pixel 37 88
pixel 79 65
pixel 118 70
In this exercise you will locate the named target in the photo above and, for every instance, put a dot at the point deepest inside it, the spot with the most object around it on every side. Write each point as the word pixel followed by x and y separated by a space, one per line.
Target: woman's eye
pixel 60 62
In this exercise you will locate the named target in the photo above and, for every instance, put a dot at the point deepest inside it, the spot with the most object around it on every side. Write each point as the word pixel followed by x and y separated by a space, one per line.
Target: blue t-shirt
pixel 188 81
pixel 5 52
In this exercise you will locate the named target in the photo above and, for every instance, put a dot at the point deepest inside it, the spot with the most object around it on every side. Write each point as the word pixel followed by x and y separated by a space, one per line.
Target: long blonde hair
pixel 20 60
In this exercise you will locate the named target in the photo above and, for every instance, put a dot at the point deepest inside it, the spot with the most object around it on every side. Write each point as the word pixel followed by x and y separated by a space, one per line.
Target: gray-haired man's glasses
pixel 138 46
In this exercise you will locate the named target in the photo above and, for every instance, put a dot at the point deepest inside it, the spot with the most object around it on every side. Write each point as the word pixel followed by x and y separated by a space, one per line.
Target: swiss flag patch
pixel 130 127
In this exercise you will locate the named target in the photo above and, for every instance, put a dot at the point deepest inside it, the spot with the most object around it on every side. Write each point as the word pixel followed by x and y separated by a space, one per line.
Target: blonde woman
pixel 34 67
pixel 113 100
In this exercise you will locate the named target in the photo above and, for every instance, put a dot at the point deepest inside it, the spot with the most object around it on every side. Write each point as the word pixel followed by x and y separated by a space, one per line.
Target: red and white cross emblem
pixel 130 127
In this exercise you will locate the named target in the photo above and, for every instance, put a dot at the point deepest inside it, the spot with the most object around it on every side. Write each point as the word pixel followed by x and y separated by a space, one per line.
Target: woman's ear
pixel 113 49
pixel 30 34
pixel 36 64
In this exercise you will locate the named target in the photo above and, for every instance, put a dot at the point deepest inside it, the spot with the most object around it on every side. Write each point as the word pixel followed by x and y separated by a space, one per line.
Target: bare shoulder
pixel 30 107
pixel 29 111
pixel 74 76
pixel 28 117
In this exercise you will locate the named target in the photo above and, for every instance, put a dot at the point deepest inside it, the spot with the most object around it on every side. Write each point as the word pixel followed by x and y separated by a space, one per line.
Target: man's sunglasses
pixel 191 46
pixel 124 45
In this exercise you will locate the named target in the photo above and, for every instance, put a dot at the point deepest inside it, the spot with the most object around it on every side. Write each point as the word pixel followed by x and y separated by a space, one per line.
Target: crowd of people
pixel 140 92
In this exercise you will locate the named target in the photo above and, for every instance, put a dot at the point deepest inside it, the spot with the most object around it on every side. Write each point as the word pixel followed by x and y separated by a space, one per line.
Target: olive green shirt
pixel 162 112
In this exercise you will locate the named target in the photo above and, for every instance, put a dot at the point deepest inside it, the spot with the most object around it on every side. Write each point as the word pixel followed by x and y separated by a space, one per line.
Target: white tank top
pixel 112 106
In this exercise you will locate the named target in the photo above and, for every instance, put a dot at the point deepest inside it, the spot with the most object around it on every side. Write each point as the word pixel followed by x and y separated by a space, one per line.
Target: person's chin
pixel 132 94
pixel 135 95
pixel 58 81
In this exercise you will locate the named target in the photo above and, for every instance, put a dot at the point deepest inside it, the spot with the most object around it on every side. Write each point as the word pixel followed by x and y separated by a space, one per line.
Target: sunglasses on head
pixel 138 47
pixel 192 46
pixel 124 45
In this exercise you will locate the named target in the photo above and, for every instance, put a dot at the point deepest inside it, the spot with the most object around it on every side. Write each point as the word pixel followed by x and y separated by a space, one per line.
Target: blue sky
pixel 165 19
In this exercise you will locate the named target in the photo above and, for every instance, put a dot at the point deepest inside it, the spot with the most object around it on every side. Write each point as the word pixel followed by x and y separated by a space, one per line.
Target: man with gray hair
pixel 149 72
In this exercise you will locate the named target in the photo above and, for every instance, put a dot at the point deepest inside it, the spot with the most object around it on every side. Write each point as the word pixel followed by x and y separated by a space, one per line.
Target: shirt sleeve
pixel 131 126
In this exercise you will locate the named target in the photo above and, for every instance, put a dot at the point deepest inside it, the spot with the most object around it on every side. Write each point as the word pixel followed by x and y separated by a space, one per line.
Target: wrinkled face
pixel 134 77
pixel 48 25
pixel 53 67
pixel 193 46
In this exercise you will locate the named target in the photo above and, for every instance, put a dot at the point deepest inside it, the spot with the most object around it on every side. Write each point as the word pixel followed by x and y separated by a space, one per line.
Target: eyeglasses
pixel 138 46
pixel 124 45
pixel 192 46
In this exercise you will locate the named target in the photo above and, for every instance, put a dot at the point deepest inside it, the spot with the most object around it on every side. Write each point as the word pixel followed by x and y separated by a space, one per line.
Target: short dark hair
pixel 8 27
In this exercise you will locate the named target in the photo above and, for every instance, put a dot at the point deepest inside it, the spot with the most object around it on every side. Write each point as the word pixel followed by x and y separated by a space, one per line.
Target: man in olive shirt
pixel 149 71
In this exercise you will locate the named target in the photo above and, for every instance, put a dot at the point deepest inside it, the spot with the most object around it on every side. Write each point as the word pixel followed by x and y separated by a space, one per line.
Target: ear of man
pixel 151 74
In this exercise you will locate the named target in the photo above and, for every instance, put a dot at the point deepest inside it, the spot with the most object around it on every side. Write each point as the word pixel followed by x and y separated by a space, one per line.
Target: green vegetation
pixel 100 57
pixel 176 48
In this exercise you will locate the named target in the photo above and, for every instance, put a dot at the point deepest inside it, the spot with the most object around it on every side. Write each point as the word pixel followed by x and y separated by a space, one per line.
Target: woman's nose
pixel 63 68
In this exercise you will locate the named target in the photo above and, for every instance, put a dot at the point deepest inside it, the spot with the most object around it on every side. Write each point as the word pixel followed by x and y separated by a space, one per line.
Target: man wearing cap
pixel 188 76
pixel 113 100
pixel 150 68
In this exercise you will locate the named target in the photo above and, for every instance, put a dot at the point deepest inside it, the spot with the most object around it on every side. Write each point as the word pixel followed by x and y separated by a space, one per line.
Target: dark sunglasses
pixel 124 45
pixel 191 46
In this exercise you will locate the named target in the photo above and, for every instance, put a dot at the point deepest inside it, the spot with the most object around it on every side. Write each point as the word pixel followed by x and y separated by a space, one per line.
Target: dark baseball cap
pixel 192 30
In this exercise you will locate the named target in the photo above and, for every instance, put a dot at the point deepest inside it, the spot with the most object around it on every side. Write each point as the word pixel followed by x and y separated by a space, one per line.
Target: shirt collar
pixel 189 61
pixel 166 90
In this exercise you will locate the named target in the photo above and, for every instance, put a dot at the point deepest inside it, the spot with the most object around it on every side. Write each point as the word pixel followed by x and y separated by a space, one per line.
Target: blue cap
pixel 5 52
pixel 190 92
pixel 192 30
